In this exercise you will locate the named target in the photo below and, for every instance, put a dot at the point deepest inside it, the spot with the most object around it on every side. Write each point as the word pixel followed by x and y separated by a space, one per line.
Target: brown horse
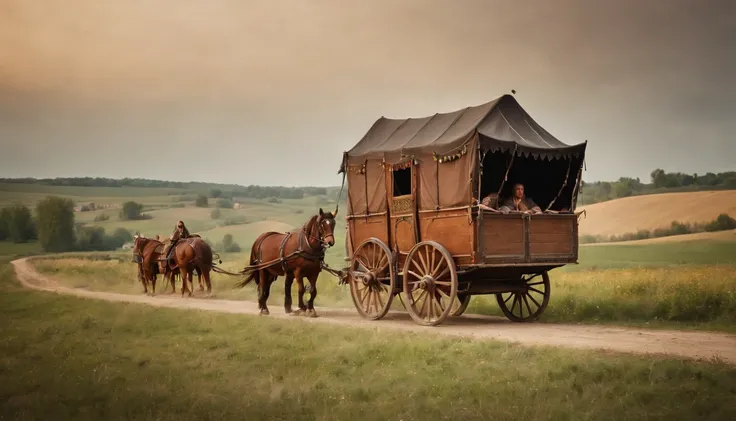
pixel 190 254
pixel 149 251
pixel 295 255
pixel 170 269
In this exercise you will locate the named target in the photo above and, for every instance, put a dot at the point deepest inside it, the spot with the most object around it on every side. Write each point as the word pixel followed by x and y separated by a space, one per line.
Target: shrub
pixel 131 211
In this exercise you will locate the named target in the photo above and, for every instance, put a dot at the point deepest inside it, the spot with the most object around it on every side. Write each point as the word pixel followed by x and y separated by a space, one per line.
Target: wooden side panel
pixel 452 230
pixel 553 237
pixel 503 237
pixel 550 236
pixel 517 239
pixel 363 228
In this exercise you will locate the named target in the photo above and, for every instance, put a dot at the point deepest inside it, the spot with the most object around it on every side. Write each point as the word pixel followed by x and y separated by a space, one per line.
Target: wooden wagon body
pixel 415 226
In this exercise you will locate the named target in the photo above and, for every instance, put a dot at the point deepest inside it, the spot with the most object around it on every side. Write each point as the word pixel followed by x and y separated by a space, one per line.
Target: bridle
pixel 320 232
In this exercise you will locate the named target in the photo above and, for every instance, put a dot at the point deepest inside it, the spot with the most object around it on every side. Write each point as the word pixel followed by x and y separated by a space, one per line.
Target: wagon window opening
pixel 402 182
pixel 542 178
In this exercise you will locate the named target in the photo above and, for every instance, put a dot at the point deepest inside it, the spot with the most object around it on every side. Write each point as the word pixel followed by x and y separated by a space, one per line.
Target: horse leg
pixel 199 280
pixel 300 286
pixel 207 281
pixel 312 294
pixel 287 291
pixel 185 282
pixel 153 285
pixel 263 292
pixel 142 278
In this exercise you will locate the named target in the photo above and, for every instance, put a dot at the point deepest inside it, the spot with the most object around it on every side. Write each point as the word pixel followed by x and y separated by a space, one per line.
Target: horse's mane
pixel 309 225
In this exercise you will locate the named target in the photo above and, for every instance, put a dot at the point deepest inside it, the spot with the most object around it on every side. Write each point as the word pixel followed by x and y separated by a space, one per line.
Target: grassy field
pixel 163 207
pixel 65 358
pixel 688 285
pixel 671 284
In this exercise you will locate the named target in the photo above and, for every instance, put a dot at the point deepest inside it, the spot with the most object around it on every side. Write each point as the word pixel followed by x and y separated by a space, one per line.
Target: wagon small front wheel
pixel 372 278
pixel 429 283
pixel 529 303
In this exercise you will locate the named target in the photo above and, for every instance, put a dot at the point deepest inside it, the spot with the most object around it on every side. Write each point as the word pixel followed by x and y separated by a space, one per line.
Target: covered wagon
pixel 416 225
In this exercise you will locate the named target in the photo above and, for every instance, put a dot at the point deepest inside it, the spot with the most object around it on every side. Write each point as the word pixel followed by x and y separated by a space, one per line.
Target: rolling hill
pixel 648 212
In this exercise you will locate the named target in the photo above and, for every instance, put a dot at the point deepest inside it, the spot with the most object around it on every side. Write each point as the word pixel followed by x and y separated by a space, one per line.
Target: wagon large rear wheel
pixel 372 278
pixel 429 283
pixel 526 305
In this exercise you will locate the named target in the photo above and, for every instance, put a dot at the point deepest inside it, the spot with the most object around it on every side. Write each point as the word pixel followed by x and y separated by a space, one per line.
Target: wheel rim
pixel 429 283
pixel 527 305
pixel 372 279
pixel 460 305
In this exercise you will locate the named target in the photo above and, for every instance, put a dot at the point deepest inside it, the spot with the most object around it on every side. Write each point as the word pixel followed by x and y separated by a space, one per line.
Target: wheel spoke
pixel 526 302
pixel 536 290
pixel 535 301
pixel 424 268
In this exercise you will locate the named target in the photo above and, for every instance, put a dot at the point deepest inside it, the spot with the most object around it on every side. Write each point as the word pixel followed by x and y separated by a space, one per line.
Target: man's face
pixel 180 227
pixel 519 191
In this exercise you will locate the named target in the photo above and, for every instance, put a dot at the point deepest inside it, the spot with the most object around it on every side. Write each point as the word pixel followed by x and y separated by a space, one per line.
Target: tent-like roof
pixel 502 125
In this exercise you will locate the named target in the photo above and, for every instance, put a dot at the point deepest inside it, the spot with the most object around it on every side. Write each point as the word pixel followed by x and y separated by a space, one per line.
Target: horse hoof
pixel 287 310
pixel 265 312
pixel 299 312
pixel 311 313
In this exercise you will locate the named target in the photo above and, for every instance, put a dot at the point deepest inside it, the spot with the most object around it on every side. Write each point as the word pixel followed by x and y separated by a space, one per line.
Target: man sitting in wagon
pixel 517 203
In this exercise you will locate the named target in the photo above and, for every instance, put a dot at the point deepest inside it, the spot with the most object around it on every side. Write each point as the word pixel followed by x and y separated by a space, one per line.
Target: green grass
pixel 20 249
pixel 66 358
pixel 699 252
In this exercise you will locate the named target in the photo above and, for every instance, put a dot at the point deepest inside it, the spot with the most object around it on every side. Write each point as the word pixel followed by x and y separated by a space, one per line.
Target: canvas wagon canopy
pixel 450 143
pixel 502 124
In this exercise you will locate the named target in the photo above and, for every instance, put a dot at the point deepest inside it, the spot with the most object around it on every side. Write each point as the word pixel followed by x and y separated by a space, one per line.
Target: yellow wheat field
pixel 631 214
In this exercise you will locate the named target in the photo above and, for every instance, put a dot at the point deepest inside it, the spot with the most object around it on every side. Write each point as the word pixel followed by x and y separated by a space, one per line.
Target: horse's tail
pixel 253 274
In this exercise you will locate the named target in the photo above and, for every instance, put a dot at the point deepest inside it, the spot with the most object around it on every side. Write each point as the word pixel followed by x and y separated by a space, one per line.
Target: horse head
pixel 326 227
pixel 139 242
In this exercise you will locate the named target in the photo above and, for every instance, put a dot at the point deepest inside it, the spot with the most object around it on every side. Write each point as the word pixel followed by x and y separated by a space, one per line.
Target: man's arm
pixel 533 206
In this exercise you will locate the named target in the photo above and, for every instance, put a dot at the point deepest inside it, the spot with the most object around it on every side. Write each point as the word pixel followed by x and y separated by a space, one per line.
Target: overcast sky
pixel 272 92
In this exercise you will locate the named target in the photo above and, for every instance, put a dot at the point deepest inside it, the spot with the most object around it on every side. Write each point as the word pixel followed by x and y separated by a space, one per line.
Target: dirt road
pixel 696 345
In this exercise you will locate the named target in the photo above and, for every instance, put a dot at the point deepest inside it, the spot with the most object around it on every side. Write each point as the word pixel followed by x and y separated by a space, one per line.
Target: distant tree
pixel 131 211
pixel 658 177
pixel 215 193
pixel 215 214
pixel 228 245
pixel 56 224
pixel 4 224
pixel 201 201
pixel 20 226
pixel 122 235
pixel 224 203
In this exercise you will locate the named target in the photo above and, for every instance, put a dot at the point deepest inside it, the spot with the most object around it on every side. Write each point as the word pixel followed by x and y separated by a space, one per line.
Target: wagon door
pixel 403 221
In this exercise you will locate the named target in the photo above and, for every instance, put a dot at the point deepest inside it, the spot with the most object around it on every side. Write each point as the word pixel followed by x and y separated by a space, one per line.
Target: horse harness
pixel 308 253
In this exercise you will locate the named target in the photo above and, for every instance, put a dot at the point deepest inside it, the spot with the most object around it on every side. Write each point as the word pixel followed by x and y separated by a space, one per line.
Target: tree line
pixel 55 228
pixel 660 182
pixel 215 190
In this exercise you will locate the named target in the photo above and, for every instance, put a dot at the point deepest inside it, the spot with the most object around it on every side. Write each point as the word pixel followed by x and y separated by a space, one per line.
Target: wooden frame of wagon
pixel 415 227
